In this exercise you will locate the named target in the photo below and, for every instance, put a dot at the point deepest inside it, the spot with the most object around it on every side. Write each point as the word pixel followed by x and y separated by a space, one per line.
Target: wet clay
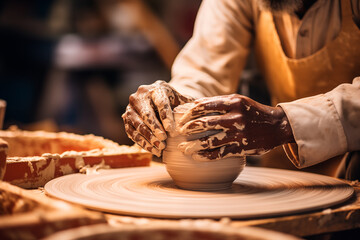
pixel 191 174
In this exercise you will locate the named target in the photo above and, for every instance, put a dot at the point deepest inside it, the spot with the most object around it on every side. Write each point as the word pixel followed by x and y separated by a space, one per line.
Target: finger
pixel 201 109
pixel 176 98
pixel 228 122
pixel 218 153
pixel 146 112
pixel 132 119
pixel 140 140
pixel 225 152
pixel 203 124
pixel 161 99
pixel 190 147
pixel 216 105
pixel 211 142
pixel 183 99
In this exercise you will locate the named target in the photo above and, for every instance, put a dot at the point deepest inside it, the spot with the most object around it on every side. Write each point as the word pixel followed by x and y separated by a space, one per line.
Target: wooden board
pixel 24 215
pixel 256 193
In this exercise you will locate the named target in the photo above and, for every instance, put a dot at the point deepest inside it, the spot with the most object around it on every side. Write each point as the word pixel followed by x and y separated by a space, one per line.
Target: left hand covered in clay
pixel 245 127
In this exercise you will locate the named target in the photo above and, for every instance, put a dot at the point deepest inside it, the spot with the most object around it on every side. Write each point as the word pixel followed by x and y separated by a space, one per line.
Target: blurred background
pixel 70 65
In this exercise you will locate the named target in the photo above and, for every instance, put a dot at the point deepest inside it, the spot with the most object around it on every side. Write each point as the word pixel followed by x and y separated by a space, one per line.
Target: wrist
pixel 284 128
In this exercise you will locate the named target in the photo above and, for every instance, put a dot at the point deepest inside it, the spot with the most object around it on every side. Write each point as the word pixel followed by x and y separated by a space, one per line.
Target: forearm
pixel 211 62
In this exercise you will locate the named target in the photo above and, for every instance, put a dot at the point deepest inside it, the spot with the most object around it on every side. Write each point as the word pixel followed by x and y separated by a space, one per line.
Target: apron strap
pixel 355 18
pixel 347 16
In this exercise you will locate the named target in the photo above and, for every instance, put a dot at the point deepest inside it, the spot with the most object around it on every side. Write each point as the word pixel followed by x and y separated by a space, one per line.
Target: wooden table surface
pixel 339 218
pixel 345 216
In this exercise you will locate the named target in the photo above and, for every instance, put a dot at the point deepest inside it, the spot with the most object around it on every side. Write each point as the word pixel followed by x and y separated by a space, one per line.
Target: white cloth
pixel 211 63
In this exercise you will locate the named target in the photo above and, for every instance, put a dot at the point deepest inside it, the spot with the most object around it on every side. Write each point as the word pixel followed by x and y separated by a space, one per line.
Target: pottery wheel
pixel 150 192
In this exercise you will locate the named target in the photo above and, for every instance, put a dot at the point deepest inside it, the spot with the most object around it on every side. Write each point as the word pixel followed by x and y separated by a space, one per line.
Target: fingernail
pixel 156 152
pixel 162 145
pixel 168 125
pixel 160 134
pixel 157 143
pixel 185 148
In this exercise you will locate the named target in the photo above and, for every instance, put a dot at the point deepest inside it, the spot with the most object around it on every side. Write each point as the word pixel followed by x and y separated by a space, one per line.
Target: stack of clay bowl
pixel 35 157
pixel 191 174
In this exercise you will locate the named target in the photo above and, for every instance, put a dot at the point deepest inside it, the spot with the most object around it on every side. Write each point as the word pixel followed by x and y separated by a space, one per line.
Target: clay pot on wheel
pixel 198 175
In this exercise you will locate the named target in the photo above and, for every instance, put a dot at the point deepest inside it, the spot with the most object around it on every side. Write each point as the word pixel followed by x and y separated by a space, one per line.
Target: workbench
pixel 345 216
pixel 339 218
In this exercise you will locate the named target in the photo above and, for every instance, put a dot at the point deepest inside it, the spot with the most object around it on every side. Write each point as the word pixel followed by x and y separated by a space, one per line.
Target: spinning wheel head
pixel 149 191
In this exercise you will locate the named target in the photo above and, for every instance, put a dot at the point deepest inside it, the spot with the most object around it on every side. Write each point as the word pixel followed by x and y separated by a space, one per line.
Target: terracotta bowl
pixel 199 175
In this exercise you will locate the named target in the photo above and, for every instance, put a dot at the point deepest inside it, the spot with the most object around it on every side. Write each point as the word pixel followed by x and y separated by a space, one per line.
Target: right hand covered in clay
pixel 245 127
pixel 149 115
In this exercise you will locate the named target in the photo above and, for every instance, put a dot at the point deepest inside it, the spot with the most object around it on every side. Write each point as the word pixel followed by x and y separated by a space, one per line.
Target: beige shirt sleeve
pixel 211 62
pixel 325 125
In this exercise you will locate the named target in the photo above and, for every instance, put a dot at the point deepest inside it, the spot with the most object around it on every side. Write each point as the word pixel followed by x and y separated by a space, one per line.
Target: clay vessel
pixel 191 174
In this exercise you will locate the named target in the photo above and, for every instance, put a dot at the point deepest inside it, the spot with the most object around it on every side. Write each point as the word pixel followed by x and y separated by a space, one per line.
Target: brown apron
pixel 290 79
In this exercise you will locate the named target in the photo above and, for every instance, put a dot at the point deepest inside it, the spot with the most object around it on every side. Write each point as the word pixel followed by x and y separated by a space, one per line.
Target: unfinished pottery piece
pixel 150 192
pixel 191 174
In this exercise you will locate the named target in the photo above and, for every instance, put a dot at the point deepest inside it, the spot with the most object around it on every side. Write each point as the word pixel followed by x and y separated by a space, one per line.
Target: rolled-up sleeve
pixel 211 62
pixel 325 125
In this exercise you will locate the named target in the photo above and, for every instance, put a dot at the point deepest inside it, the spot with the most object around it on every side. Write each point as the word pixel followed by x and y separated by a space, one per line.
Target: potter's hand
pixel 149 114
pixel 245 127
